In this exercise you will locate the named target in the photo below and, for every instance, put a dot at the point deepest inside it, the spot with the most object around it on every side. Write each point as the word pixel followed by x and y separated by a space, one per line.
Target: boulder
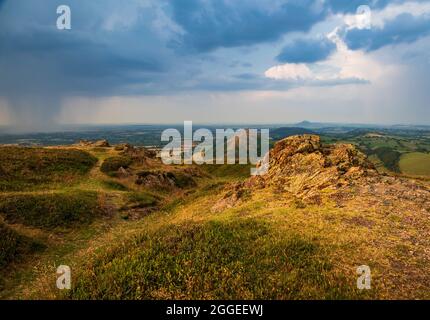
pixel 101 143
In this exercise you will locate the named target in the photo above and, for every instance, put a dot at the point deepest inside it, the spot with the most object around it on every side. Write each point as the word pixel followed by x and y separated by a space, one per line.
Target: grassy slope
pixel 415 163
pixel 186 251
pixel 263 248
pixel 50 210
pixel 42 168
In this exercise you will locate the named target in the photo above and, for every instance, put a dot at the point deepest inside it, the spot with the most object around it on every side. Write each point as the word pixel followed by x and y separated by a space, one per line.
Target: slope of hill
pixel 299 232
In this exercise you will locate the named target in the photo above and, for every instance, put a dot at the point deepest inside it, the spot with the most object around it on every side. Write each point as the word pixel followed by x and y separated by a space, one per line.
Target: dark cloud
pixel 405 28
pixel 220 23
pixel 134 48
pixel 306 51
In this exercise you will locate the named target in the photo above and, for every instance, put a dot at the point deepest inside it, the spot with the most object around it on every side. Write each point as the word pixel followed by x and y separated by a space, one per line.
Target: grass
pixel 141 200
pixel 50 210
pixel 389 157
pixel 214 260
pixel 41 168
pixel 112 164
pixel 12 245
pixel 415 163
pixel 113 185
pixel 268 247
pixel 228 171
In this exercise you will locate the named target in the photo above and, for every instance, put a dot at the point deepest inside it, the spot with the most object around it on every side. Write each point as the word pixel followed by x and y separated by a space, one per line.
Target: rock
pixel 140 155
pixel 123 147
pixel 101 143
pixel 123 173
pixel 302 166
pixel 84 143
pixel 163 179
pixel 234 195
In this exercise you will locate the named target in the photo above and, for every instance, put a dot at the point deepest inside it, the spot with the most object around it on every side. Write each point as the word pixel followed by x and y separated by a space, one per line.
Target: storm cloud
pixel 162 47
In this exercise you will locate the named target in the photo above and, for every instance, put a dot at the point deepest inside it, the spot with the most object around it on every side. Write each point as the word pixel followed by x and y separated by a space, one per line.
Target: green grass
pixel 215 260
pixel 50 210
pixel 390 158
pixel 230 171
pixel 10 245
pixel 37 168
pixel 113 185
pixel 13 245
pixel 112 164
pixel 415 163
pixel 141 200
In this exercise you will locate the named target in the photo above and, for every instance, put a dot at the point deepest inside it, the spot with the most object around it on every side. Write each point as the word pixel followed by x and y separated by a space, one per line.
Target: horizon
pixel 9 130
pixel 312 125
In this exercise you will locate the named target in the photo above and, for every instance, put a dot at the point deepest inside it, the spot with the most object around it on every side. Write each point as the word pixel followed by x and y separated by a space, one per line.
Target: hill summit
pixel 302 167
pixel 302 164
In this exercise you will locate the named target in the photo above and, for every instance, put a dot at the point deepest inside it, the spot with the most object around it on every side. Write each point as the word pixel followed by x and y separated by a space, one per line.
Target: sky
pixel 214 61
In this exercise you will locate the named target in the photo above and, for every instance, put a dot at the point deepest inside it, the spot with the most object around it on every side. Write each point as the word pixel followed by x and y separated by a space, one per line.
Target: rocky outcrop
pixel 165 179
pixel 306 171
pixel 99 143
pixel 302 165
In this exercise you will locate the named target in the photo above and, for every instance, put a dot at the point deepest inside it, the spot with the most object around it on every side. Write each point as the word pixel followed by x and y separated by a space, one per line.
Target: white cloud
pixel 290 71
pixel 344 64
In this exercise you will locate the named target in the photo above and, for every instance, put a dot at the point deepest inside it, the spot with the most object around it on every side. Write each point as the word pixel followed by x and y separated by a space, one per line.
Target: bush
pixel 50 210
pixel 112 164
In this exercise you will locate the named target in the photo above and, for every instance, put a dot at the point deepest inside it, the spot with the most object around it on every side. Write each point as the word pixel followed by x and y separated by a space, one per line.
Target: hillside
pixel 213 232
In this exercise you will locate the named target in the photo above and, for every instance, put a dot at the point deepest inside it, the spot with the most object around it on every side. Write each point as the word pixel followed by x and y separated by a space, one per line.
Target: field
pixel 392 151
pixel 415 163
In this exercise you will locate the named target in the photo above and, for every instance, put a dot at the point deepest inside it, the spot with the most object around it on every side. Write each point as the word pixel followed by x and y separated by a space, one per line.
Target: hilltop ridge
pixel 304 168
